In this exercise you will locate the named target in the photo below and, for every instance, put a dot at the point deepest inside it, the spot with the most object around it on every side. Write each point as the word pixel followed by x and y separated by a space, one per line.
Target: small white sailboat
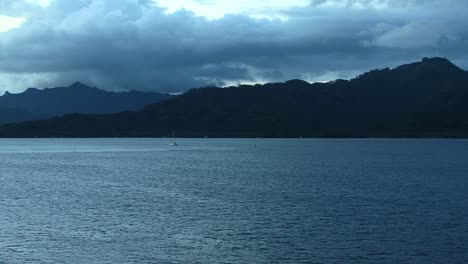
pixel 173 143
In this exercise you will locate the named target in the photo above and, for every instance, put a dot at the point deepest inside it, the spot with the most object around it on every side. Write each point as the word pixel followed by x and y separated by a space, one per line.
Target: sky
pixel 175 45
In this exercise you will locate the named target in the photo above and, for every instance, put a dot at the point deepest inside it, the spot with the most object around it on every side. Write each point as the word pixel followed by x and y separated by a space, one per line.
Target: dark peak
pixel 441 62
pixel 78 85
pixel 297 82
pixel 435 64
pixel 7 93
pixel 435 60
pixel 31 90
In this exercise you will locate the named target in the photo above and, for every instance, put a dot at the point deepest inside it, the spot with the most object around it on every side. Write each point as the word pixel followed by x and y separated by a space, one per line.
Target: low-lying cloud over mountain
pixel 155 45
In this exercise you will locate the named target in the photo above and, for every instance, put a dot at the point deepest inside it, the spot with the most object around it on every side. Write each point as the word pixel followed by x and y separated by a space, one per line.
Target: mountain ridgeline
pixel 422 99
pixel 36 104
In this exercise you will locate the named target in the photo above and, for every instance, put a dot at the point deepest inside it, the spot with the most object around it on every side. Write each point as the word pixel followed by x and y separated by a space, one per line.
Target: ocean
pixel 234 201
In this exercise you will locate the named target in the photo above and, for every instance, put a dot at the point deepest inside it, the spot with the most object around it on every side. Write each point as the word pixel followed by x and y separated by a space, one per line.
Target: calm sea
pixel 233 201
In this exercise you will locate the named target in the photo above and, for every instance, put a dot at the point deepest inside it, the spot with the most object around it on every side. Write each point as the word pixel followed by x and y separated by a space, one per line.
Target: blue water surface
pixel 233 201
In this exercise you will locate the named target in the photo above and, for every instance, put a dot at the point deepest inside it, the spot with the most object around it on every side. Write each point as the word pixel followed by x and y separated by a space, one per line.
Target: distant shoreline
pixel 298 138
pixel 425 99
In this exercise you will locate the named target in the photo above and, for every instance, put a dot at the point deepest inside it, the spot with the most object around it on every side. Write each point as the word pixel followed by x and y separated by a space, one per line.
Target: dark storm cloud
pixel 130 44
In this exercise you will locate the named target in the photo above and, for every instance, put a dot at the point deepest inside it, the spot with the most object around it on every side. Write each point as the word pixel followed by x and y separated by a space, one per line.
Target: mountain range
pixel 35 104
pixel 422 99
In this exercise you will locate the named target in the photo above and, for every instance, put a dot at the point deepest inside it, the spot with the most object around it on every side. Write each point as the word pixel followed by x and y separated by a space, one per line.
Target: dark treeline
pixel 423 99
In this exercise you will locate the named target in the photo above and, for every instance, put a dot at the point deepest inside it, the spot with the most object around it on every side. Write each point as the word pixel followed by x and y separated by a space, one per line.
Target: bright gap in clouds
pixel 214 9
pixel 7 23
pixel 43 3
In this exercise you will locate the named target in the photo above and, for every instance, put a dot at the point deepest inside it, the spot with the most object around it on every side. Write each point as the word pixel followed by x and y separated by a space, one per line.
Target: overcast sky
pixel 174 45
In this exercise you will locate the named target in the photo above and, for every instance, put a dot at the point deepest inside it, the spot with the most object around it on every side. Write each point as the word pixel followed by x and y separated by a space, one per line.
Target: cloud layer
pixel 136 44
